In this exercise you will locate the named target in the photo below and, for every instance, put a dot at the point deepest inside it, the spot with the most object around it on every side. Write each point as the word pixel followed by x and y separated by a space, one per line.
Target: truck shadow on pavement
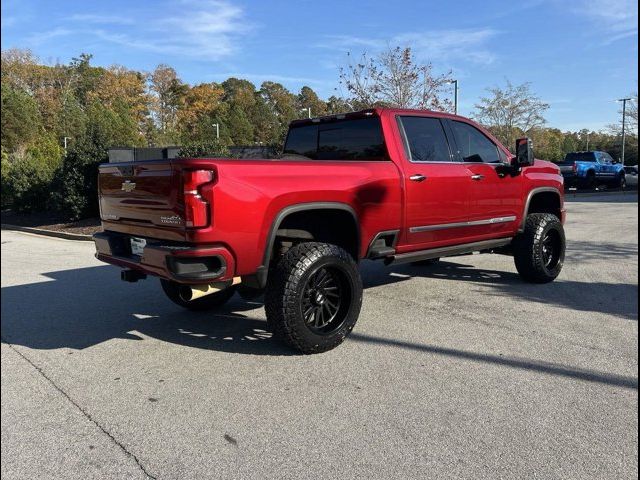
pixel 617 299
pixel 85 307
pixel 81 308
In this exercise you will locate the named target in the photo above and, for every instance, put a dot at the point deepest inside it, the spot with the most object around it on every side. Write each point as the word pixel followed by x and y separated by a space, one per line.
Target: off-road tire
pixel 539 250
pixel 288 291
pixel 208 302
pixel 591 182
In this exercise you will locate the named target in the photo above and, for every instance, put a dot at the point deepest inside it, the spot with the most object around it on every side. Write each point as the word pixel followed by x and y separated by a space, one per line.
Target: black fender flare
pixel 530 196
pixel 263 270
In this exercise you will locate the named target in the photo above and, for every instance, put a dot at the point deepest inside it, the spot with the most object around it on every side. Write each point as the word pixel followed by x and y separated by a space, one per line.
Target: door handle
pixel 477 177
pixel 417 178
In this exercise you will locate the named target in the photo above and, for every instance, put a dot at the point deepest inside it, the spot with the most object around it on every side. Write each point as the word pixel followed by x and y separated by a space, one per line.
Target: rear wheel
pixel 591 183
pixel 539 250
pixel 313 297
pixel 174 291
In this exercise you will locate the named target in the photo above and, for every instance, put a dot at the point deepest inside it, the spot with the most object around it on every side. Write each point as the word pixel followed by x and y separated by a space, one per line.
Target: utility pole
pixel 624 118
pixel 455 96
pixel 217 131
pixel 587 141
pixel 65 144
pixel 308 110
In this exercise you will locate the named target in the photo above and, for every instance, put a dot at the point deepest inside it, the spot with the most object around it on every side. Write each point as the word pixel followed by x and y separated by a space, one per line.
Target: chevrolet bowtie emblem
pixel 128 186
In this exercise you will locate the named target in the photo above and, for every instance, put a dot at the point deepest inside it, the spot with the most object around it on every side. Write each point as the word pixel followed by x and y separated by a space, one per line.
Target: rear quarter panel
pixel 249 194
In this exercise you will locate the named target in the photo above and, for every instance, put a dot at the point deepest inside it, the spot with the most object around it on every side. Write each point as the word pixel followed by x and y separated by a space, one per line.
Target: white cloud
pixel 434 45
pixel 619 18
pixel 469 45
pixel 42 37
pixel 208 30
pixel 101 19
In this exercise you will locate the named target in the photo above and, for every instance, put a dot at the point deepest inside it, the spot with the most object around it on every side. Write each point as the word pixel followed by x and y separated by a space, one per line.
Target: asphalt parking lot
pixel 455 371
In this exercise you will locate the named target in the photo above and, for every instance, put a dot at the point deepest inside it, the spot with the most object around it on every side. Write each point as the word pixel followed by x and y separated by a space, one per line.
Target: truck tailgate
pixel 142 194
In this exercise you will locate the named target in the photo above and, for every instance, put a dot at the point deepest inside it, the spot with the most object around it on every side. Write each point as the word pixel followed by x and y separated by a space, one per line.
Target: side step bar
pixel 447 251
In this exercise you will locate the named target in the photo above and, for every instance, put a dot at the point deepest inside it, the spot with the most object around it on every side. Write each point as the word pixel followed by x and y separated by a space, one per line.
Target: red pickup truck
pixel 389 184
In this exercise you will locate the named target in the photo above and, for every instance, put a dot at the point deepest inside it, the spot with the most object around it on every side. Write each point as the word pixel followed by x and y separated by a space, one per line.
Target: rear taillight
pixel 575 167
pixel 196 209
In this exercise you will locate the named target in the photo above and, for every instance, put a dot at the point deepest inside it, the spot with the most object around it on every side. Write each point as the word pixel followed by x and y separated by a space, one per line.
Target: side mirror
pixel 524 153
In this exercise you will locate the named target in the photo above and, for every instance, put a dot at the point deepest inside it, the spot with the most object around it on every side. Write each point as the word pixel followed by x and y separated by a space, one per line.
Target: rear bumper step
pixel 182 263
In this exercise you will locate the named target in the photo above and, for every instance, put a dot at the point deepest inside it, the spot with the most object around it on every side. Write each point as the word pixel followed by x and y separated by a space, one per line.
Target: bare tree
pixel 511 111
pixel 394 78
pixel 632 113
pixel 631 118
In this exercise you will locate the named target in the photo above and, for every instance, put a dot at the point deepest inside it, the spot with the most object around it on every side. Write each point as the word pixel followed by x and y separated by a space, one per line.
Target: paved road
pixel 455 371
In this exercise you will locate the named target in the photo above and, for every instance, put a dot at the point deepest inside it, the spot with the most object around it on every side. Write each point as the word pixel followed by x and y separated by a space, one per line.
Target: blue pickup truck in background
pixel 591 169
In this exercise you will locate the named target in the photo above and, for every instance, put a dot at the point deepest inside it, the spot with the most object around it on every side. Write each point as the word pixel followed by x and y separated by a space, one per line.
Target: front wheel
pixel 174 291
pixel 313 297
pixel 539 250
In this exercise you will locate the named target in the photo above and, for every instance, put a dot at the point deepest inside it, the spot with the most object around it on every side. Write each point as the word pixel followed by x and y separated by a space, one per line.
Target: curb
pixel 47 233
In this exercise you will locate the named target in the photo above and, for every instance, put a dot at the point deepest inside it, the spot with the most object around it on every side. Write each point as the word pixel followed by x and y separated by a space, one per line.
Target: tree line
pixel 59 120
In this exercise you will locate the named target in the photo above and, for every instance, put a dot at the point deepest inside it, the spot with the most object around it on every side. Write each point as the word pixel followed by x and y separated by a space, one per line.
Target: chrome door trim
pixel 474 223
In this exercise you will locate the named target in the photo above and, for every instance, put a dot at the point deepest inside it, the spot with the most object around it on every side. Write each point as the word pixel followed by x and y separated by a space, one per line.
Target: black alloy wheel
pixel 551 249
pixel 323 301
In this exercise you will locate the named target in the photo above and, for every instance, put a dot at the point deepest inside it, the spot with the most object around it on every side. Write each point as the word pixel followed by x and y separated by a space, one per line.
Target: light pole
pixel 308 110
pixel 624 115
pixel 455 95
pixel 65 144
pixel 217 131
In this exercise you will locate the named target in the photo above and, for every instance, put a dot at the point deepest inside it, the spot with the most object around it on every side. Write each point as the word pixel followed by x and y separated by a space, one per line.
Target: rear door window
pixel 473 145
pixel 425 139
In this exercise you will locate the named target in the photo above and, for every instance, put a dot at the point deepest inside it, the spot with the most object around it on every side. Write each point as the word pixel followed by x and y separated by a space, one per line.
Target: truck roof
pixel 369 112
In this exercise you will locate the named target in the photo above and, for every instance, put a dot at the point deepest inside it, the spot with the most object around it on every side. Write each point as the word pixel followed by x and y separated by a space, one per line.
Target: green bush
pixel 205 149
pixel 20 120
pixel 75 184
pixel 27 175
pixel 5 185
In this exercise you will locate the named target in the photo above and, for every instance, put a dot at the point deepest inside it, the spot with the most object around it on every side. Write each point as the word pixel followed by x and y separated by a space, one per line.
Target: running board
pixel 447 251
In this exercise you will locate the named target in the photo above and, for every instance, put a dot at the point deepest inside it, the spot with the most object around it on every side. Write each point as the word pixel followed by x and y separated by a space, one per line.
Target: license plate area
pixel 137 245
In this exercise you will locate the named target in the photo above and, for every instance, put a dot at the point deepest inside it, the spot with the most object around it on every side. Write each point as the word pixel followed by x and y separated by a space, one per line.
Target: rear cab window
pixel 349 139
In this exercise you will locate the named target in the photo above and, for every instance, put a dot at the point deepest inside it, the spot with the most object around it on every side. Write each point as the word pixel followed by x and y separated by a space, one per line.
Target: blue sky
pixel 579 55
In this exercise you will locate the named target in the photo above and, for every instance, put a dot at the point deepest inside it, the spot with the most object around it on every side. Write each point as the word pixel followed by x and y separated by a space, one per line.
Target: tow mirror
pixel 524 153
